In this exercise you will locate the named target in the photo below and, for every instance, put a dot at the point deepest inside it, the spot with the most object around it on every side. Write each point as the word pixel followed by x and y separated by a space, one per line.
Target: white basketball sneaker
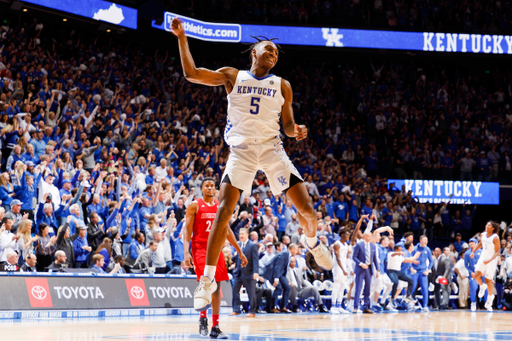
pixel 488 304
pixel 473 306
pixel 343 311
pixel 203 293
pixel 481 292
pixel 322 256
pixel 335 311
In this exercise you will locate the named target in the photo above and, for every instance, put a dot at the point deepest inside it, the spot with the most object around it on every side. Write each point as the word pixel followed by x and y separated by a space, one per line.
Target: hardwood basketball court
pixel 452 325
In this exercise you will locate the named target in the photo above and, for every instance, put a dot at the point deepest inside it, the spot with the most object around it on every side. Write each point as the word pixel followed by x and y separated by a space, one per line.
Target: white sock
pixel 209 271
pixel 311 241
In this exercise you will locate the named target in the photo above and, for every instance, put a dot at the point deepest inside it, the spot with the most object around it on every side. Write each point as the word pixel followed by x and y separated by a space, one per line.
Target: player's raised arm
pixel 222 76
pixel 300 132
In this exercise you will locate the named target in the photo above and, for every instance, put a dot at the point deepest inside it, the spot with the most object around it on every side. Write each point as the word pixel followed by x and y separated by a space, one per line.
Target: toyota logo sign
pixel 38 292
pixel 137 292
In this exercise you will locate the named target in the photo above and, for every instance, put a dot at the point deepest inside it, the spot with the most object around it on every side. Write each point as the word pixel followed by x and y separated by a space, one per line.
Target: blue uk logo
pixel 282 180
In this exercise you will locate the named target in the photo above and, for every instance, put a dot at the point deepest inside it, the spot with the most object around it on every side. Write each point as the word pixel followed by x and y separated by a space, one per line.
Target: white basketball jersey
pixel 487 246
pixel 343 255
pixel 254 109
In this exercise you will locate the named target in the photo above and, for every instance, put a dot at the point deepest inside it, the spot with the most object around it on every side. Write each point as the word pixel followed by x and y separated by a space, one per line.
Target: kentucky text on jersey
pixel 256 90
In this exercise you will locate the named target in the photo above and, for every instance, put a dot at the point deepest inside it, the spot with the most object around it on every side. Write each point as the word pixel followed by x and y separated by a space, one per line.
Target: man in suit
pixel 276 271
pixel 432 277
pixel 145 259
pixel 247 275
pixel 365 257
pixel 444 270
pixel 302 289
pixel 30 264
pixel 183 270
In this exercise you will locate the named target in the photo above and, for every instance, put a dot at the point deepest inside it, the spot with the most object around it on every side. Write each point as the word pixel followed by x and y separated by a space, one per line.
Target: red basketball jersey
pixel 203 221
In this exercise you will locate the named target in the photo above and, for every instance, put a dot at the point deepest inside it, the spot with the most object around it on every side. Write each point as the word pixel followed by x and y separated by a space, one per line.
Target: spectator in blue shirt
pixel 75 222
pixel 281 223
pixel 458 242
pixel 82 248
pixel 99 264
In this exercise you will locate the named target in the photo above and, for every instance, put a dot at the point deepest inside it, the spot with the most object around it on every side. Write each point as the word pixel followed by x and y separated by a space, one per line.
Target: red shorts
pixel 199 258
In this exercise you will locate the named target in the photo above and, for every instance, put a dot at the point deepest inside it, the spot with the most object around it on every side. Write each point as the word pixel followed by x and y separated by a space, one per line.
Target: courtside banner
pixel 338 37
pixel 63 292
pixel 456 192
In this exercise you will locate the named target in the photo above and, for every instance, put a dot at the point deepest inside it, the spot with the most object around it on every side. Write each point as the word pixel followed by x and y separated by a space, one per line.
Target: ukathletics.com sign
pixel 229 33
pixel 341 37
pixel 456 192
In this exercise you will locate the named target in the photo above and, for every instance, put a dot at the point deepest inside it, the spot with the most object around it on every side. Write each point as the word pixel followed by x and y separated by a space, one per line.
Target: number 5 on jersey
pixel 255 102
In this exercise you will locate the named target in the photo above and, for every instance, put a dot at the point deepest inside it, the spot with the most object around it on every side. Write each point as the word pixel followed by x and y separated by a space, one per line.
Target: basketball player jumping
pixel 199 220
pixel 257 100
pixel 486 266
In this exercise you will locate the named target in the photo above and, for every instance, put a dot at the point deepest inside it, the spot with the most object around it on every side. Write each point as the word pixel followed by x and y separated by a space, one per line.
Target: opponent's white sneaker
pixel 488 304
pixel 481 292
pixel 203 293
pixel 473 306
pixel 335 311
pixel 322 256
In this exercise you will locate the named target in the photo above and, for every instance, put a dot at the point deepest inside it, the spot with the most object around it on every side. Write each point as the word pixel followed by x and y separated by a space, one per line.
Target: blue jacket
pixel 360 257
pixel 278 266
pixel 383 258
pixel 74 223
pixel 177 244
pixel 426 254
pixel 4 195
pixel 26 193
pixel 406 266
pixel 42 218
pixel 80 254
pixel 105 254
pixel 469 262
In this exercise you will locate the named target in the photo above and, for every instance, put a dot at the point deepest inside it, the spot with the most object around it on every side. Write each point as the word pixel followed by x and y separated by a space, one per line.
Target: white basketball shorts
pixel 489 269
pixel 246 159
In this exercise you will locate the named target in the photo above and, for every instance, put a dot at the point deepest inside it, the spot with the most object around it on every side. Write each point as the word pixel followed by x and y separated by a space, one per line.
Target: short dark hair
pixel 277 244
pixel 407 234
pixel 396 247
pixel 343 231
pixel 260 39
pixel 407 245
pixel 208 178
pixel 118 258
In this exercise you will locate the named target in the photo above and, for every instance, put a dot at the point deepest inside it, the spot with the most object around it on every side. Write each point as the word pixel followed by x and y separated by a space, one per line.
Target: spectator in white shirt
pixel 462 281
pixel 8 241
pixel 161 171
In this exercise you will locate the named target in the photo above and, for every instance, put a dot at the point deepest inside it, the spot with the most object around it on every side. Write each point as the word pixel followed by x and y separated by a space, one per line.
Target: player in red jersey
pixel 198 222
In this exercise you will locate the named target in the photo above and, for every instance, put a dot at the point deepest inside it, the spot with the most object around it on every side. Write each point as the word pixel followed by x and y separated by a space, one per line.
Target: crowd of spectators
pixel 478 17
pixel 105 144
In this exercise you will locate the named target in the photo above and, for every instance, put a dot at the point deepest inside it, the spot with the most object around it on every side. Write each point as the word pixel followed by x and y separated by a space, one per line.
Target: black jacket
pixel 66 245
pixel 94 233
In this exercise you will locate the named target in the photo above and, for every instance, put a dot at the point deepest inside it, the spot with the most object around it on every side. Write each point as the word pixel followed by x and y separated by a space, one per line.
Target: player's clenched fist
pixel 176 27
pixel 301 132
